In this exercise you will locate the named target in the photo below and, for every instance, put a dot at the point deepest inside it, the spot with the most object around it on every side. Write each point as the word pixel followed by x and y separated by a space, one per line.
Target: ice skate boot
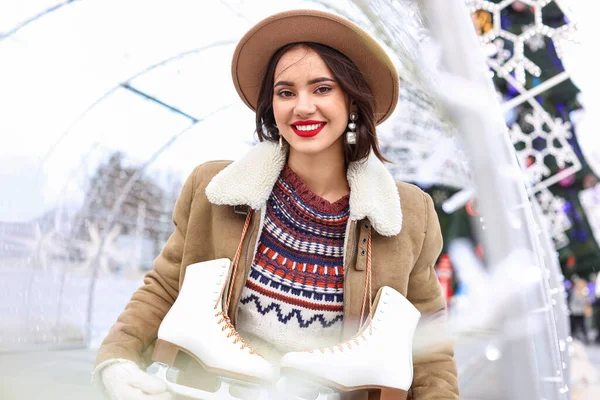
pixel 377 359
pixel 197 324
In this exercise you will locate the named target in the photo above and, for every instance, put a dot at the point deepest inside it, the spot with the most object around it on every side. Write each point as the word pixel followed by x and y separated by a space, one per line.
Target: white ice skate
pixel 197 324
pixel 377 359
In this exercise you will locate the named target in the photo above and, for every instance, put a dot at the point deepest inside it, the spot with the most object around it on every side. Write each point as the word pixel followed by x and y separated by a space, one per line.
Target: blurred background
pixel 108 105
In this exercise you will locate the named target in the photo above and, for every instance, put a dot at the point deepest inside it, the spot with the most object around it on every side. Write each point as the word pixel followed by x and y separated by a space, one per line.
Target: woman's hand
pixel 126 381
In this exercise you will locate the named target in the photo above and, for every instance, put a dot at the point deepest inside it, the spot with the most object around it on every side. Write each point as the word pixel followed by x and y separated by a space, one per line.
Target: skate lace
pixel 356 340
pixel 224 318
pixel 233 333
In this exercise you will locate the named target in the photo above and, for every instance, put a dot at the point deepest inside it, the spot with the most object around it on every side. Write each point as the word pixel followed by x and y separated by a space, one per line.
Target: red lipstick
pixel 311 133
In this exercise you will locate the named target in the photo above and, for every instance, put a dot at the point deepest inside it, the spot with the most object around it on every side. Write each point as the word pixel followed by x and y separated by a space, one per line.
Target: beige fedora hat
pixel 258 45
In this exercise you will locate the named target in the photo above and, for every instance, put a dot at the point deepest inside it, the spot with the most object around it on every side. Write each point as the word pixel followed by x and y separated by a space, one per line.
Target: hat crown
pixel 257 46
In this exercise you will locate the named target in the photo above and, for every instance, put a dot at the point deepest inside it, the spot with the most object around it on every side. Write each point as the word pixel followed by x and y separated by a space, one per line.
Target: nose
pixel 305 105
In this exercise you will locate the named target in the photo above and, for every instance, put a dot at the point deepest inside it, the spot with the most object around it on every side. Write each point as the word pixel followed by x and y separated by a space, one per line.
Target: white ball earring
pixel 351 134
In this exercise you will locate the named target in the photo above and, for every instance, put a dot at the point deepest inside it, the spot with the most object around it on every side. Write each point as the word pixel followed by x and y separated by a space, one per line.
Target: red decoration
pixel 479 251
pixel 472 209
pixel 529 161
pixel 445 272
pixel 567 181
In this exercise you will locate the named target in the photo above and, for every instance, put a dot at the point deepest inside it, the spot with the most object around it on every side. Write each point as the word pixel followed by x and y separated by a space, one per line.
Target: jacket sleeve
pixel 435 374
pixel 133 334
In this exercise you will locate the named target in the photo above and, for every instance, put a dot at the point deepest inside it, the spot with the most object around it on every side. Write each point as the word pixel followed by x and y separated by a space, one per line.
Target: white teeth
pixel 307 128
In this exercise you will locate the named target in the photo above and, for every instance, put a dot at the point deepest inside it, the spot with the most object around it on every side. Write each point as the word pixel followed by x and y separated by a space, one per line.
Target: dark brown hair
pixel 352 82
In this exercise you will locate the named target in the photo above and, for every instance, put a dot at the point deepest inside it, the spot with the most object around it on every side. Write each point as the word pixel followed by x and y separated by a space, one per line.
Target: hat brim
pixel 258 45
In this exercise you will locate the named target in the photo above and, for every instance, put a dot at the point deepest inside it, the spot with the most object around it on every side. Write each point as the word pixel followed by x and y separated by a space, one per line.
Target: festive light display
pixel 491 25
pixel 547 138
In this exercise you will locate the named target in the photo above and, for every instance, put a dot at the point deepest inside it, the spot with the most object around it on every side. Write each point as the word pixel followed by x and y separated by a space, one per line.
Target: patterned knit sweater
pixel 293 298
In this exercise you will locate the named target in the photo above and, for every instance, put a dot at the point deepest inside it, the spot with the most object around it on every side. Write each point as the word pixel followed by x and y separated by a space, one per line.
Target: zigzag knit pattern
pixel 293 298
pixel 294 313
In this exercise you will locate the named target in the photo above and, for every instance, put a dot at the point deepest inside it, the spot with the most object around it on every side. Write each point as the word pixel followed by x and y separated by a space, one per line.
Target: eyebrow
pixel 311 82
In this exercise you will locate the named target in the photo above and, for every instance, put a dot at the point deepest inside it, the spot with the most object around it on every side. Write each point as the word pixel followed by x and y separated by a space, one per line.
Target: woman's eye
pixel 323 89
pixel 285 93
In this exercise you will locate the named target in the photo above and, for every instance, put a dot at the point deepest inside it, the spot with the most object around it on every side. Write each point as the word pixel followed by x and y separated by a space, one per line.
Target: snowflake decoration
pixel 109 251
pixel 531 36
pixel 552 134
pixel 536 42
pixel 42 245
pixel 553 208
pixel 496 50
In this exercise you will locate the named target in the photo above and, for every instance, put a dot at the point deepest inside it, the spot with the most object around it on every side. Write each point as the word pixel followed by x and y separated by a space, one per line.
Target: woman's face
pixel 310 108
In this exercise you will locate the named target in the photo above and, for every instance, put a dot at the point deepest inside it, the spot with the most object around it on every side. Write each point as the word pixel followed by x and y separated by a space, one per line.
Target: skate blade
pixel 298 388
pixel 229 389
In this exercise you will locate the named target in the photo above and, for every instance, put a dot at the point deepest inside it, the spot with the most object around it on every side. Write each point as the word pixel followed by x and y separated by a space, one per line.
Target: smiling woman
pixel 330 76
pixel 326 243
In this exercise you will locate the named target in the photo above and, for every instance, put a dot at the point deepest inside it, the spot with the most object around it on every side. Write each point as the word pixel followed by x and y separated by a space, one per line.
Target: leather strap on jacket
pixel 235 261
pixel 367 290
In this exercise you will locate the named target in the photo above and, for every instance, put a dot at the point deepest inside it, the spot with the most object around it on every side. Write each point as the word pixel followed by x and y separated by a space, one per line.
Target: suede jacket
pixel 209 216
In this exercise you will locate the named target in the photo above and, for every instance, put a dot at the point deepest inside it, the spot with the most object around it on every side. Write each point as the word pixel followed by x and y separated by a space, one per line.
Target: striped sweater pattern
pixel 293 297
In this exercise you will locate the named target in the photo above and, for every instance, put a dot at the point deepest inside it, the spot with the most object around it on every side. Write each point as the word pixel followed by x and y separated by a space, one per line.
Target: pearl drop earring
pixel 351 134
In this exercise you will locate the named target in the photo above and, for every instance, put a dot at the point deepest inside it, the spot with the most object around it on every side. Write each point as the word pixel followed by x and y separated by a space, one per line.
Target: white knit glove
pixel 126 381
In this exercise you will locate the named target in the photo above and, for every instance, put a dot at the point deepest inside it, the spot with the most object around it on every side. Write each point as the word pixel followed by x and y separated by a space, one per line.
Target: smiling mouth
pixel 308 130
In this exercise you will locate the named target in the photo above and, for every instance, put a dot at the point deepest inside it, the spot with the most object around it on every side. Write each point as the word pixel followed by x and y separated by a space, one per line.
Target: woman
pixel 316 197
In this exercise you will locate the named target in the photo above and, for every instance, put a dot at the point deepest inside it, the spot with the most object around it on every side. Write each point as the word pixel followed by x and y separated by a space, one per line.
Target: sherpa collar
pixel 250 180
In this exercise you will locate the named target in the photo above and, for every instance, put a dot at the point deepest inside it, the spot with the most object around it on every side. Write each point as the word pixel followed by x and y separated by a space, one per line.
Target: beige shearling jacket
pixel 209 217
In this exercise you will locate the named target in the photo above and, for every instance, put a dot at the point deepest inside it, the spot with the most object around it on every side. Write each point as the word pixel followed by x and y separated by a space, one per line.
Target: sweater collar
pixel 250 180
pixel 291 180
